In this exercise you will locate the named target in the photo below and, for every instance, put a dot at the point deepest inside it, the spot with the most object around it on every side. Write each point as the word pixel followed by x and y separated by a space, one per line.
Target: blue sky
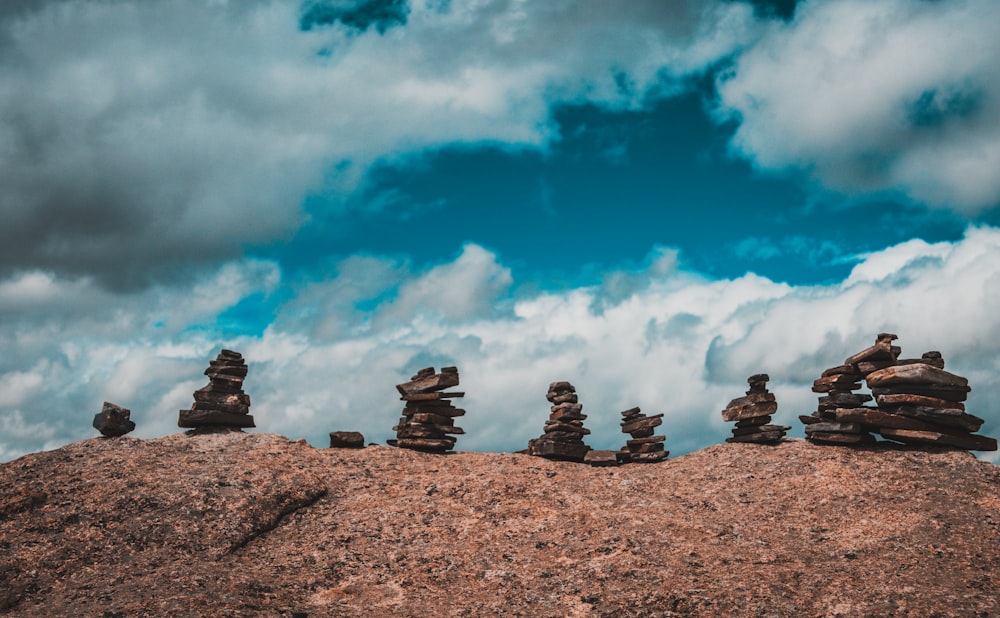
pixel 652 201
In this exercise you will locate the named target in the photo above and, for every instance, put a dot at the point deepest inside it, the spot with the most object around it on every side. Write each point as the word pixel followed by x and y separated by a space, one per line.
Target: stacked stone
pixel 113 421
pixel 564 431
pixel 753 412
pixel 921 403
pixel 835 421
pixel 221 404
pixel 644 447
pixel 428 421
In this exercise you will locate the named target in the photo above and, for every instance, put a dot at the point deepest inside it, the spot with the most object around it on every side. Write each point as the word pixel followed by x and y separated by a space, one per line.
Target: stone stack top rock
pixel 222 404
pixel 564 431
pixel 113 420
pixel 879 356
pixel 753 412
pixel 428 421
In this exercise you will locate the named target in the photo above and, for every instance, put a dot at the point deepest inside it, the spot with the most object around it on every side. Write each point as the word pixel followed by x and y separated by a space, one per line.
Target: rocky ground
pixel 253 524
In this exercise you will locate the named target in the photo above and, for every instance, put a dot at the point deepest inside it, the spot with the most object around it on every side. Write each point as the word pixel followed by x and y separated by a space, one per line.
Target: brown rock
pixel 430 396
pixel 870 417
pixel 918 373
pixel 757 404
pixel 764 437
pixel 197 418
pixel 837 382
pixel 426 444
pixel 648 457
pixel 568 451
pixel 935 391
pixel 968 442
pixel 113 420
pixel 429 383
pixel 882 350
pixel 849 370
pixel 648 422
pixel 346 439
pixel 938 416
pixel 826 427
pixel 745 431
pixel 891 400
pixel 601 458
pixel 841 438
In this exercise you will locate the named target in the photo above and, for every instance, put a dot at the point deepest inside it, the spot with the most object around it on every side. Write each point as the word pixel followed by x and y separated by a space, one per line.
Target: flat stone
pixel 646 440
pixel 745 431
pixel 230 355
pixel 844 400
pixel 566 427
pixel 218 369
pixel 640 433
pixel 755 421
pixel 567 451
pixel 432 419
pixel 891 400
pixel 933 362
pixel 113 420
pixel 346 439
pixel 809 420
pixel 828 427
pixel 565 398
pixel 938 416
pixel 562 436
pixel 427 384
pixel 919 373
pixel 572 408
pixel 205 395
pixel 601 458
pixel 232 408
pixel 838 382
pixel 648 422
pixel 872 418
pixel 648 457
pixel 426 444
pixel 936 391
pixel 767 437
pixel 968 441
pixel 850 370
pixel 441 411
pixel 430 396
pixel 200 418
pixel 866 367
pixel 566 415
pixel 631 413
pixel 649 447
pixel 750 406
pixel 841 438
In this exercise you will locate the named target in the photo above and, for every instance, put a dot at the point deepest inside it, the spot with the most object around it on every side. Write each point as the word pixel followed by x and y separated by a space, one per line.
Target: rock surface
pixel 236 524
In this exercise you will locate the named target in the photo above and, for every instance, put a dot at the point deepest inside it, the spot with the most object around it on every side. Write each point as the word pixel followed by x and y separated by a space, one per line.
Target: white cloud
pixel 896 96
pixel 135 135
pixel 671 341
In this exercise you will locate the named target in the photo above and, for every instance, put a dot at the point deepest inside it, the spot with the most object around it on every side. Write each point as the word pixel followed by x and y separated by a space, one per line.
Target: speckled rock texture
pixel 236 524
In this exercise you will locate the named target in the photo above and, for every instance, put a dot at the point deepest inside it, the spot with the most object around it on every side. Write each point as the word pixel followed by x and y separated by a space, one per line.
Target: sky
pixel 653 200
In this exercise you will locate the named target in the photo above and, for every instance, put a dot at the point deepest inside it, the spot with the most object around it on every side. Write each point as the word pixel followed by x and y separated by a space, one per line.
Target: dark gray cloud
pixel 141 139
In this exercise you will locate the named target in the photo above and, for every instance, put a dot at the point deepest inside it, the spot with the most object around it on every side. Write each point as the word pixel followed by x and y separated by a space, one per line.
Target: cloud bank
pixel 897 96
pixel 659 337
pixel 138 138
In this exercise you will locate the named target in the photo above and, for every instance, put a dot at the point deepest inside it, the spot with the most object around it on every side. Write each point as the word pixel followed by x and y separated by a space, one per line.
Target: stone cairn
pixel 564 431
pixel 752 414
pixel 222 404
pixel 833 421
pixel 428 421
pixel 644 447
pixel 113 421
pixel 918 402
